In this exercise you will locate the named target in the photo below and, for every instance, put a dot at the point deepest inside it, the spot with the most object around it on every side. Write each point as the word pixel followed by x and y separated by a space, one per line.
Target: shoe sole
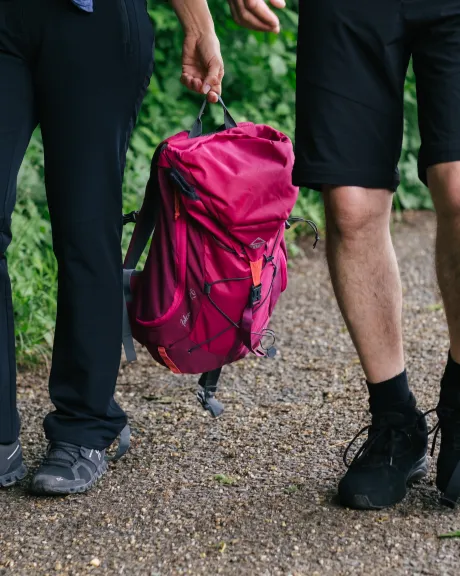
pixel 16 476
pixel 363 502
pixel 46 490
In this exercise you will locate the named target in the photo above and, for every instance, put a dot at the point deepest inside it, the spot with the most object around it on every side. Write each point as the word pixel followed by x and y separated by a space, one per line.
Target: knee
pixel 357 213
pixel 444 183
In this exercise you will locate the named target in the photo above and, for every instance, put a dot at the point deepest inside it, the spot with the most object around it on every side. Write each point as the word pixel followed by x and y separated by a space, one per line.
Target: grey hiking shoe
pixel 67 469
pixel 70 469
pixel 12 468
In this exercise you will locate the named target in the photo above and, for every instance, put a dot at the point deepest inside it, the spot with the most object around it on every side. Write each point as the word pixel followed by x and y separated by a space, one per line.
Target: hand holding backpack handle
pixel 197 128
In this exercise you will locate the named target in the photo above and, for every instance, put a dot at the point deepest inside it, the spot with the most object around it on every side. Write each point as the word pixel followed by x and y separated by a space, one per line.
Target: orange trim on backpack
pixel 167 360
pixel 176 205
pixel 256 271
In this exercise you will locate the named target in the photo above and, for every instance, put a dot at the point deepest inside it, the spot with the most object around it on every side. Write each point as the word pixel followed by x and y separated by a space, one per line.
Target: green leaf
pixel 278 65
pixel 450 535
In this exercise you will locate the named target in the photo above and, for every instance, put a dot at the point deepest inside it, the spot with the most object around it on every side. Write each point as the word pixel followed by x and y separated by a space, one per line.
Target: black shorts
pixel 352 62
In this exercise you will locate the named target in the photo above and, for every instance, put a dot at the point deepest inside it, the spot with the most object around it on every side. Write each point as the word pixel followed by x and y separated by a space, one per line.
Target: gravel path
pixel 252 493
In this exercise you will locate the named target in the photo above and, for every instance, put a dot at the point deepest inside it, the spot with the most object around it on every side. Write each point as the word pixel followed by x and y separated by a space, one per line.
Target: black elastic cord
pixel 266 332
pixel 209 340
pixel 225 280
pixel 234 324
pixel 311 224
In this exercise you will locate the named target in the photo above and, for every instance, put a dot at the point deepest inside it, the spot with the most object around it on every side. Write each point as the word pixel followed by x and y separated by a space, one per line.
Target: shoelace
pixel 382 427
pixel 447 413
pixel 61 454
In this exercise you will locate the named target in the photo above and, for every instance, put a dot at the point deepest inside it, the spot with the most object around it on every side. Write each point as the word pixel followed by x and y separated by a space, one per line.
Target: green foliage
pixel 259 86
pixel 411 194
pixel 225 480
pixel 34 271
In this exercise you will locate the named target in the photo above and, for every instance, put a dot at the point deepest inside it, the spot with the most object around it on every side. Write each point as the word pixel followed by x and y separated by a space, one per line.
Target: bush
pixel 259 86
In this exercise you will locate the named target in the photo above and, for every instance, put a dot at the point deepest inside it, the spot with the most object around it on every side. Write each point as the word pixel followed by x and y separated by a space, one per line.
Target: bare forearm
pixel 194 15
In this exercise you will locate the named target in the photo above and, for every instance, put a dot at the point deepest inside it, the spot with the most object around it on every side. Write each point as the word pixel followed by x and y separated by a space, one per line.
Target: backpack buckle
pixel 255 295
pixel 205 396
pixel 131 217
pixel 209 403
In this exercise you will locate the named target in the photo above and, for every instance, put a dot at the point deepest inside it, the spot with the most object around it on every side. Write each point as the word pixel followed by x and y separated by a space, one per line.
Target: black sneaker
pixel 392 457
pixel 448 477
pixel 12 468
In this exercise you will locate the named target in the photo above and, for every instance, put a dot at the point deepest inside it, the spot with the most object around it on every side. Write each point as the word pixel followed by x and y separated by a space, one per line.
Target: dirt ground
pixel 252 493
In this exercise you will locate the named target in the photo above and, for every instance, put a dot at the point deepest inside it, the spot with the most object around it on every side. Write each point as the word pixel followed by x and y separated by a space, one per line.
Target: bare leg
pixel 365 276
pixel 444 182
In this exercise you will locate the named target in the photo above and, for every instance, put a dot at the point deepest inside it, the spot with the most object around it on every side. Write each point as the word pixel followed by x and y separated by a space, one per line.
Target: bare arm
pixel 194 15
pixel 202 65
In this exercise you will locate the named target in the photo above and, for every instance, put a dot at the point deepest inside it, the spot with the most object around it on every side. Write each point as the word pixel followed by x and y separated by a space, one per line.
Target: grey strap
pixel 127 275
pixel 123 445
pixel 128 342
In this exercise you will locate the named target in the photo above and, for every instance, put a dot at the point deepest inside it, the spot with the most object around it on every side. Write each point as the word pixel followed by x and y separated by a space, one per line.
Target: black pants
pixel 82 77
pixel 352 61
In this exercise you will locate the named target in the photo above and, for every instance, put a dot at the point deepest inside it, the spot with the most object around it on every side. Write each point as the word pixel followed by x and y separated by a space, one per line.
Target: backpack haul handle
pixel 197 128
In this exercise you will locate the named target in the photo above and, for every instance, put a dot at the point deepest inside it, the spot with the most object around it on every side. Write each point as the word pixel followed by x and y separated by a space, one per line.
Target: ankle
pixel 390 394
pixel 450 383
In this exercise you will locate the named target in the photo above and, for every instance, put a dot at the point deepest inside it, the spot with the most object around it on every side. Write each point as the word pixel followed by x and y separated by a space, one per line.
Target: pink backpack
pixel 217 206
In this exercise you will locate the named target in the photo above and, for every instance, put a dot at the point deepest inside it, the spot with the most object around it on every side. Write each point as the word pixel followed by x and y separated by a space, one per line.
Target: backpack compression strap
pixel 248 315
pixel 123 445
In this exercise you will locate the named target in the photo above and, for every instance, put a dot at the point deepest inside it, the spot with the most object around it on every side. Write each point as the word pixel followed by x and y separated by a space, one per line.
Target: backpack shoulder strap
pixel 145 225
pixel 145 220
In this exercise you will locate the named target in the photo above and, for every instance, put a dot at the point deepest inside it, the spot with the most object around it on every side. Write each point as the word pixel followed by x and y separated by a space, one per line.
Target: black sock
pixel 450 383
pixel 390 394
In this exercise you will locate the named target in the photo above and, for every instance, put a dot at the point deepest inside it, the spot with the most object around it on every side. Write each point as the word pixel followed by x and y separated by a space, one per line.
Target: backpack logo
pixel 185 319
pixel 192 294
pixel 257 243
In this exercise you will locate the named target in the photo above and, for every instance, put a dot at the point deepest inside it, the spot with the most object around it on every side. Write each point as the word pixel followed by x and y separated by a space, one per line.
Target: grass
pixel 292 489
pixel 225 480
pixel 450 535
pixel 33 272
